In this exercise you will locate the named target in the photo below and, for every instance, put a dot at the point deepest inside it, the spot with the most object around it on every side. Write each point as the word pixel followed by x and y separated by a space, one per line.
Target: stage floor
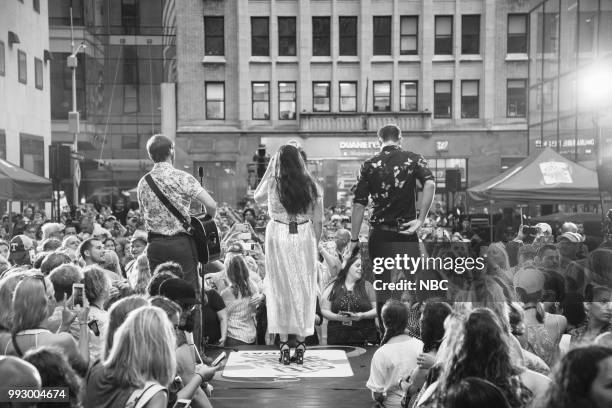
pixel 298 389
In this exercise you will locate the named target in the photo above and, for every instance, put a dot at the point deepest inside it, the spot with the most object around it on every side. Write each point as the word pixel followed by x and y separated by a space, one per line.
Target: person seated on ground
pixel 97 290
pixel 18 374
pixel 349 304
pixel 32 302
pixel 543 330
pixel 56 372
pixel 192 373
pixel 582 379
pixel 396 357
pixel 241 303
pixel 142 356
pixel 432 332
pixel 479 347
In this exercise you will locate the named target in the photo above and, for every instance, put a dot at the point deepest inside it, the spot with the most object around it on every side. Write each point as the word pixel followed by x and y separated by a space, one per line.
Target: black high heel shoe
pixel 298 356
pixel 285 353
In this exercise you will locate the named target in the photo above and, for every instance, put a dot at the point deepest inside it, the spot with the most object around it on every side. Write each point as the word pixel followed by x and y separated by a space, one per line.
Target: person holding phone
pixel 191 373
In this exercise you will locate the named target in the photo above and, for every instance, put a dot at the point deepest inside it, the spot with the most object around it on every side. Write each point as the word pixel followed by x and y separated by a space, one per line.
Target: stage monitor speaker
pixel 453 180
pixel 59 162
pixel 604 177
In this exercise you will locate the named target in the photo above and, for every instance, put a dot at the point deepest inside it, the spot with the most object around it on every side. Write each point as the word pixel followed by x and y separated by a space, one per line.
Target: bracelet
pixel 201 378
pixel 355 240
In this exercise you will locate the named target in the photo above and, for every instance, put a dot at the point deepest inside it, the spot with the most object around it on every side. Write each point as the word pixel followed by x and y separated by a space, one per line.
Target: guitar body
pixel 206 235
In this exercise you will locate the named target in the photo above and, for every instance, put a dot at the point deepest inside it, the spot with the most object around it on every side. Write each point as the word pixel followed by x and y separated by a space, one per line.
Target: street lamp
pixel 74 120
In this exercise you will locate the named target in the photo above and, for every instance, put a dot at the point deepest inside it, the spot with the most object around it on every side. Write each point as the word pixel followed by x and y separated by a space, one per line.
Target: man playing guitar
pixel 168 239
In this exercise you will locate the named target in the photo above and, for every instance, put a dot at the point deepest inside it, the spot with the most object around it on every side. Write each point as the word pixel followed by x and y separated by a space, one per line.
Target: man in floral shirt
pixel 389 179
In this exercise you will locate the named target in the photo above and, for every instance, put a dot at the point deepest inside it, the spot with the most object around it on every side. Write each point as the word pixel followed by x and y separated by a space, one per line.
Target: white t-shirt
pixel 390 363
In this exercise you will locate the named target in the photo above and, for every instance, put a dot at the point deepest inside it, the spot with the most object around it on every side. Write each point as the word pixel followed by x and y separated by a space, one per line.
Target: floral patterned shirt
pixel 179 186
pixel 389 178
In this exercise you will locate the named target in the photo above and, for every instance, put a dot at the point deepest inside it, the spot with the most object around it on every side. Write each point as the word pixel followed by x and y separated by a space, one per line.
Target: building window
pixel 470 34
pixel 286 100
pixel 348 96
pixel 516 98
pixel 260 36
pixel 409 35
pixel 517 34
pixel 443 99
pixel 129 16
pixel 348 35
pixel 130 80
pixel 215 100
pixel 321 36
pixel 130 142
pixel 469 99
pixel 382 35
pixel 22 66
pixel 213 36
pixel 320 96
pixel 2 59
pixel 444 35
pixel 36 5
pixel 408 96
pixel 261 100
pixel 286 36
pixel 38 73
pixel 382 96
pixel 59 12
pixel 32 153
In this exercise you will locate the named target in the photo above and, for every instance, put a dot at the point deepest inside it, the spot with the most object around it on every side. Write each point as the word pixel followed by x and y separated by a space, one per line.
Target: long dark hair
pixel 358 289
pixel 485 353
pixel 394 316
pixel 475 392
pixel 238 274
pixel 296 189
pixel 574 376
pixel 432 324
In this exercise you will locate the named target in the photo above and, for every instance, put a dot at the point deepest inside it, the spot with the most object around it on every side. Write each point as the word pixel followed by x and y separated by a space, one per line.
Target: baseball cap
pixel 531 280
pixel 21 243
pixel 179 290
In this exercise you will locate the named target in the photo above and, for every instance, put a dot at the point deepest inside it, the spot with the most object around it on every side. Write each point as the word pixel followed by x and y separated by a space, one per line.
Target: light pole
pixel 73 116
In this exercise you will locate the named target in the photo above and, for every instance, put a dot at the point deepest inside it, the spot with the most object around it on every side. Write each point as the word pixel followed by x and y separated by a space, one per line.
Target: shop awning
pixel 17 184
pixel 543 177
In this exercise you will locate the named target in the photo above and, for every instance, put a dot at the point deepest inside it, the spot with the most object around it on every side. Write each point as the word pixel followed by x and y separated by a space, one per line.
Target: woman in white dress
pixel 295 207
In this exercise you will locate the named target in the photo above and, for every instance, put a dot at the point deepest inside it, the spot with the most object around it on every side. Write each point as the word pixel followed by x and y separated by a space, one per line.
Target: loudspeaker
pixel 604 177
pixel 453 180
pixel 59 162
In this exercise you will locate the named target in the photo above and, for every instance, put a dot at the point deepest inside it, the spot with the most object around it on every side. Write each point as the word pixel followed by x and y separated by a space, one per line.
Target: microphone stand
pixel 202 292
pixel 201 174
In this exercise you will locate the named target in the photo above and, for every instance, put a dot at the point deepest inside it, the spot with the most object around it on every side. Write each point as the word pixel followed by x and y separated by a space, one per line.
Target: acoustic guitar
pixel 206 235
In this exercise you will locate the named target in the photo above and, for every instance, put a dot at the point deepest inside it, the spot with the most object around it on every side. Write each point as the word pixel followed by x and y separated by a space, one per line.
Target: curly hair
pixel 296 189
pixel 573 377
pixel 55 371
pixel 484 352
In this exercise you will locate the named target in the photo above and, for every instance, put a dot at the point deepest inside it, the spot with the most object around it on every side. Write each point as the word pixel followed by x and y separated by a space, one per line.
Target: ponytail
pixel 391 332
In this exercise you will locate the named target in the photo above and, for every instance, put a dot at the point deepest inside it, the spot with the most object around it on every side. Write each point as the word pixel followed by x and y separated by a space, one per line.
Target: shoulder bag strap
pixel 167 203
pixel 147 394
pixel 15 345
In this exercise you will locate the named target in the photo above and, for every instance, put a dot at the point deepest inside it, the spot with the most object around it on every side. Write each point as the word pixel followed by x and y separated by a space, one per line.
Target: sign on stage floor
pixel 264 363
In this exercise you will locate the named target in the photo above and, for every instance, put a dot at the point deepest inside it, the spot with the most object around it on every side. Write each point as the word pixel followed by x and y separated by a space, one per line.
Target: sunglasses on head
pixel 38 277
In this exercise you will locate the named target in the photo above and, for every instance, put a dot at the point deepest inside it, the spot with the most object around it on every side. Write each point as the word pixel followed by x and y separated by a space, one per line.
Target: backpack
pixel 139 398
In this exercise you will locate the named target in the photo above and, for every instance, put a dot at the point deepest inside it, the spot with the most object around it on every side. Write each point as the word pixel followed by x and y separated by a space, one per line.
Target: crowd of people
pixel 83 307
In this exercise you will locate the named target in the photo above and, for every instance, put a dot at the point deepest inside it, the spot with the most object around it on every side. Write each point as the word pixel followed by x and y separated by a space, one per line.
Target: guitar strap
pixel 186 223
